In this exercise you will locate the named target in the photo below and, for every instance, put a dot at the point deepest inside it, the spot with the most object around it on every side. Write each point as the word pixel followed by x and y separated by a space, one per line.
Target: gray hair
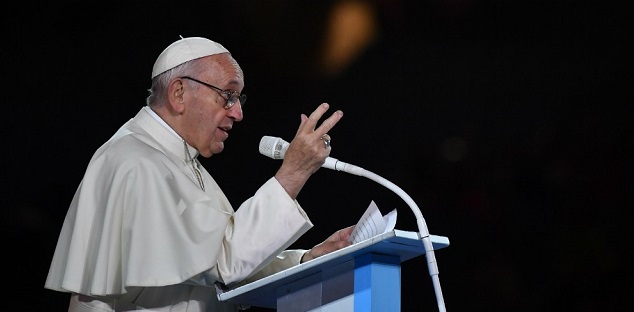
pixel 158 92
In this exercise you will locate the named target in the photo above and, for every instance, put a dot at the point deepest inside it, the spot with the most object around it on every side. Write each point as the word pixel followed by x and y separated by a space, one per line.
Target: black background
pixel 507 122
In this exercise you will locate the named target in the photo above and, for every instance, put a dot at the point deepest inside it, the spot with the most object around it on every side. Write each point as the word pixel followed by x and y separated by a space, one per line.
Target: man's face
pixel 207 122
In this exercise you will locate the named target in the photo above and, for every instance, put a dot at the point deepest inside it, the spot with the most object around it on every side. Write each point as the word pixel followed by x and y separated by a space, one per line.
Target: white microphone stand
pixel 432 265
pixel 275 148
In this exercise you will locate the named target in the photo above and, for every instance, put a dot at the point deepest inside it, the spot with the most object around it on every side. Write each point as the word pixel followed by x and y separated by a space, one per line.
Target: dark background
pixel 507 122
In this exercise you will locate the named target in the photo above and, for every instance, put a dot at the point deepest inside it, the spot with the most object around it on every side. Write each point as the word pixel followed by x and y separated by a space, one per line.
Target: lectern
pixel 365 276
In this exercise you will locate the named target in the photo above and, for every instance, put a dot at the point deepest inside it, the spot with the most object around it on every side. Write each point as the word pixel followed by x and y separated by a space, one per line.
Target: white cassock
pixel 140 233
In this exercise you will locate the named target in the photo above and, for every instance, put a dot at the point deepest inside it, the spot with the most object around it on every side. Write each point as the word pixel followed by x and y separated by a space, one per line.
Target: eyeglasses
pixel 232 97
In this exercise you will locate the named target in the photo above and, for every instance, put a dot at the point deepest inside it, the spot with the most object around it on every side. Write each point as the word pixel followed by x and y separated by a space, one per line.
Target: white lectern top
pixel 262 293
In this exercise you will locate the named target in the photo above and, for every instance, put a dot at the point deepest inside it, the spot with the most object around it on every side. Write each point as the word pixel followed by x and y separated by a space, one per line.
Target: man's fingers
pixel 314 117
pixel 329 123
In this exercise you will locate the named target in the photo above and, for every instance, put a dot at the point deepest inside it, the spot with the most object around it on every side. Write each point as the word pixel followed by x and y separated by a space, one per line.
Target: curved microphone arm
pixel 432 265
pixel 275 148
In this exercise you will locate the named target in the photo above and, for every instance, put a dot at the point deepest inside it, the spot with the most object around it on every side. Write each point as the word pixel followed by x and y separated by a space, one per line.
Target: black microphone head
pixel 273 147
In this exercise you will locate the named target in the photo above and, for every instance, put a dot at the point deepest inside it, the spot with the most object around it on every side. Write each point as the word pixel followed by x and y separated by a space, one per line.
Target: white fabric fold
pixel 139 219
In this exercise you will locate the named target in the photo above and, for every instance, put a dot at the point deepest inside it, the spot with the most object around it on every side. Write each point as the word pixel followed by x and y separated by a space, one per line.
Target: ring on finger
pixel 326 139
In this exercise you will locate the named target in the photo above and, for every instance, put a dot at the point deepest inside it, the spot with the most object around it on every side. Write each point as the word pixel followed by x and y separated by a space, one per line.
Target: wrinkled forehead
pixel 224 67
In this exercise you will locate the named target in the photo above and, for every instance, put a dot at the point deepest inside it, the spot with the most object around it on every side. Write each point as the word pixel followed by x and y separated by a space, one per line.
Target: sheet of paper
pixel 372 223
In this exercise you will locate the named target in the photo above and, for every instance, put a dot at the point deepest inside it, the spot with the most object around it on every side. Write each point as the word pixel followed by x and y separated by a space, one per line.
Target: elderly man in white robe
pixel 149 227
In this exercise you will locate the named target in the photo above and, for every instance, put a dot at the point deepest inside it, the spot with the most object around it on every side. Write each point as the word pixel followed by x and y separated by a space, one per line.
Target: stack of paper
pixel 372 223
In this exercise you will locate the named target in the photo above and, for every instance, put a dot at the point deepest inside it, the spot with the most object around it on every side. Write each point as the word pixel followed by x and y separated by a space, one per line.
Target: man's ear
pixel 176 95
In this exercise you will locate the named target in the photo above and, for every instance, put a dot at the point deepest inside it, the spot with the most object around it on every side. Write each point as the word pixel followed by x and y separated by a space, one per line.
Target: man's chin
pixel 217 148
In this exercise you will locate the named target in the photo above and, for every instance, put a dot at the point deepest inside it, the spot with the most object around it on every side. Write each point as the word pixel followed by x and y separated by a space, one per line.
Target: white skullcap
pixel 185 50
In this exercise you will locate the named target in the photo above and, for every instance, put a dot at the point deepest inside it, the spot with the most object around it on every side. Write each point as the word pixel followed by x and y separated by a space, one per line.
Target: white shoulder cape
pixel 139 218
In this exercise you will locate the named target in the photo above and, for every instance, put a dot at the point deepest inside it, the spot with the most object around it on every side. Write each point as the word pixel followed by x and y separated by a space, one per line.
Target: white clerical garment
pixel 141 233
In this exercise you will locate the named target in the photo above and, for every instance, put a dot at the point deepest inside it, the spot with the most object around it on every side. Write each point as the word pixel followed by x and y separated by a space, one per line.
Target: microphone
pixel 275 148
